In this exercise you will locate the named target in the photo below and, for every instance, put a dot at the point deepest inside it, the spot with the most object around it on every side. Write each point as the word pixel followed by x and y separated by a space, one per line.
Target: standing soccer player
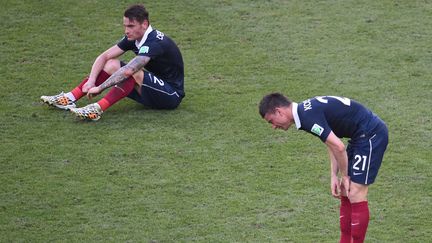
pixel 153 78
pixel 331 118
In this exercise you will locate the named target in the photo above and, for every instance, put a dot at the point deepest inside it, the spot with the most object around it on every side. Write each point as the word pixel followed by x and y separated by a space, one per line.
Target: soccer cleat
pixel 59 101
pixel 91 112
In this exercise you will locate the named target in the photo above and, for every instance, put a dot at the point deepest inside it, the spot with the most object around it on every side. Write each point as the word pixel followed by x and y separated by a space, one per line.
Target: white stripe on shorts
pixel 162 91
pixel 369 160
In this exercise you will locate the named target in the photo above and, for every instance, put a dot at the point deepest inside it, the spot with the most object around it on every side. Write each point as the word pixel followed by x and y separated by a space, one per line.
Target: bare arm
pixel 339 162
pixel 136 64
pixel 334 180
pixel 337 149
pixel 99 63
pixel 333 163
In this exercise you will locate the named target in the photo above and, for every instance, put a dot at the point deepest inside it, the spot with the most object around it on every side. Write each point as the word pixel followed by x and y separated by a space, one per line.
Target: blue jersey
pixel 345 117
pixel 166 61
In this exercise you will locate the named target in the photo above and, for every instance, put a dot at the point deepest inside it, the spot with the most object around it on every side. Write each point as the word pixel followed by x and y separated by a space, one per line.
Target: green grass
pixel 212 170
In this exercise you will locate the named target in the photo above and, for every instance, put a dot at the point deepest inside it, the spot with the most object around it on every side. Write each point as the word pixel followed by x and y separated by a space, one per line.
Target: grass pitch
pixel 212 170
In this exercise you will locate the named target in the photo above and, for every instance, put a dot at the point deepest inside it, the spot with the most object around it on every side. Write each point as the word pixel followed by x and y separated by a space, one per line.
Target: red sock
pixel 359 221
pixel 345 220
pixel 117 93
pixel 77 91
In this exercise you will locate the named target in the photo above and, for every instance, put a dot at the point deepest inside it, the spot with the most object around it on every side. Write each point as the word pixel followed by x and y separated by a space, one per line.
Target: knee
pixel 111 66
pixel 139 77
pixel 358 193
pixel 169 104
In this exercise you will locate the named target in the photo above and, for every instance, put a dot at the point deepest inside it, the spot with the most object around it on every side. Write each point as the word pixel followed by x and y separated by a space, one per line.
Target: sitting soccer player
pixel 331 118
pixel 153 78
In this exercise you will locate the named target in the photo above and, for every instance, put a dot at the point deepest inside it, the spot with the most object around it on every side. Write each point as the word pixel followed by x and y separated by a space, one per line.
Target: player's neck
pixel 290 113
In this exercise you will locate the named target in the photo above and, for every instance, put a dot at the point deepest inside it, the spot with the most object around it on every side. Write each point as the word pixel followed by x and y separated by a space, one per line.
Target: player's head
pixel 275 109
pixel 135 22
pixel 270 102
pixel 137 12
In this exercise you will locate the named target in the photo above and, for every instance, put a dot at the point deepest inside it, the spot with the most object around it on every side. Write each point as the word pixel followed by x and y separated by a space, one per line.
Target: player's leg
pixel 363 169
pixel 116 93
pixel 359 211
pixel 156 93
pixel 354 214
pixel 358 171
pixel 345 210
pixel 67 100
pixel 121 90
pixel 345 220
pixel 109 68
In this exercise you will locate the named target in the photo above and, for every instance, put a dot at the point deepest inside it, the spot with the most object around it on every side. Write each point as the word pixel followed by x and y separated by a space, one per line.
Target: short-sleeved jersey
pixel 345 117
pixel 166 61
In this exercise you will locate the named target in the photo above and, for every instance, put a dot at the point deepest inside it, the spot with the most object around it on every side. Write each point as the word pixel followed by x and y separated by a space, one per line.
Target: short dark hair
pixel 137 12
pixel 270 102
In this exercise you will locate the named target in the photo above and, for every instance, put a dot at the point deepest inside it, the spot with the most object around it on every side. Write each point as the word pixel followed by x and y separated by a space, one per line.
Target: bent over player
pixel 153 78
pixel 331 118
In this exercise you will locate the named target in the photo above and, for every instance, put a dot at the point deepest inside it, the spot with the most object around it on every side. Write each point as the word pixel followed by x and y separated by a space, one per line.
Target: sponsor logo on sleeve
pixel 143 49
pixel 317 129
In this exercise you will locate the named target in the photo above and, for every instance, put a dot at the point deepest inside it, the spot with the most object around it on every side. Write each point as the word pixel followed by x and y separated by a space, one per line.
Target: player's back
pixel 346 117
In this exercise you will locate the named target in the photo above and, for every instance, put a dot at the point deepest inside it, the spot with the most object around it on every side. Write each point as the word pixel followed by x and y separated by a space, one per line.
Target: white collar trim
pixel 139 44
pixel 295 115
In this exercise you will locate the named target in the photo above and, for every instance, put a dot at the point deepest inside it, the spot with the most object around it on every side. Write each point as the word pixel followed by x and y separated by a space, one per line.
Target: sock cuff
pixel 359 205
pixel 71 96
pixel 345 202
pixel 104 104
pixel 344 199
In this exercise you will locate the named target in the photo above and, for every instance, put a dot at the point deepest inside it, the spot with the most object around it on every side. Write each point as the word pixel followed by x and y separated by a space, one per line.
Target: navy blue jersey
pixel 166 61
pixel 345 117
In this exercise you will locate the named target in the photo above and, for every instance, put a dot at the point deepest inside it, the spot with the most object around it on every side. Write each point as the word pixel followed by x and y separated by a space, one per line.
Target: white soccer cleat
pixel 59 101
pixel 91 112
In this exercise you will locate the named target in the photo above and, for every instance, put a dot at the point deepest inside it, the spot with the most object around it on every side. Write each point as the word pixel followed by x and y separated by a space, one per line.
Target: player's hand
pixel 93 92
pixel 87 86
pixel 345 184
pixel 335 186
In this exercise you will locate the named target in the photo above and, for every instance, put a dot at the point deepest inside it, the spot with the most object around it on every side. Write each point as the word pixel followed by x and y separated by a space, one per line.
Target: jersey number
pixel 323 99
pixel 156 80
pixel 160 81
pixel 360 159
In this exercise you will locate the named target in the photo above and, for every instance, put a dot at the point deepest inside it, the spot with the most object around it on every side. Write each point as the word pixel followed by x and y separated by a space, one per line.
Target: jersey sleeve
pixel 125 44
pixel 151 50
pixel 318 126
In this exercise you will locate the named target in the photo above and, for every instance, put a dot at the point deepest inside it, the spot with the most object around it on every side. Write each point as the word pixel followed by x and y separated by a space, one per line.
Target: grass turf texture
pixel 211 171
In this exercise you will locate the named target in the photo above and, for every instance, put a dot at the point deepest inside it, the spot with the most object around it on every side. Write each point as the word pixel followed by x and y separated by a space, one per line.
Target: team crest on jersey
pixel 144 49
pixel 317 129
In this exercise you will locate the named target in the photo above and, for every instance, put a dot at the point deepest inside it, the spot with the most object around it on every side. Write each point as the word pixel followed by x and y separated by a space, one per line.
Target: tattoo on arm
pixel 125 72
